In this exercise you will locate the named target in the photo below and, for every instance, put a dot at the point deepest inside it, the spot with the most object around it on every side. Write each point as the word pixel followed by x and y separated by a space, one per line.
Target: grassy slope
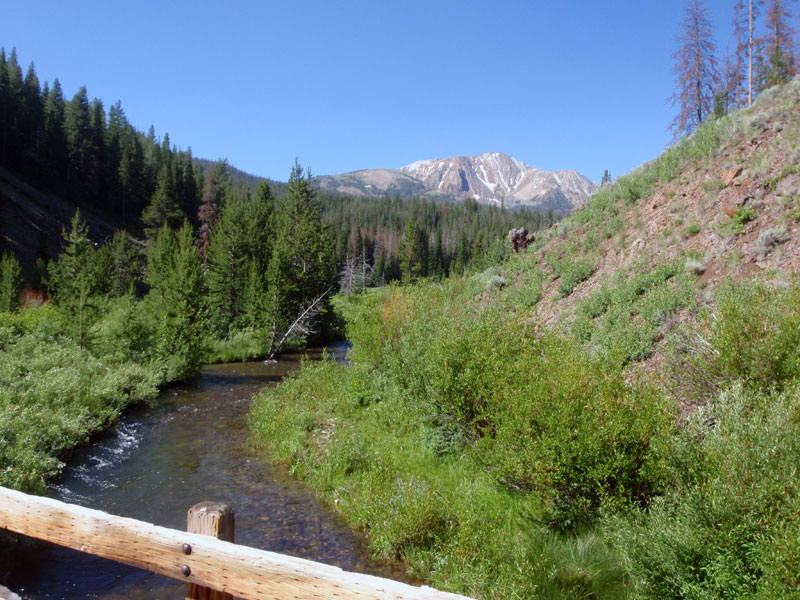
pixel 516 433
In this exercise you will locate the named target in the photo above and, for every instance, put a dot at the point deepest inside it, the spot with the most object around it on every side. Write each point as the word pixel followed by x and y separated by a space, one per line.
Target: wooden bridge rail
pixel 201 560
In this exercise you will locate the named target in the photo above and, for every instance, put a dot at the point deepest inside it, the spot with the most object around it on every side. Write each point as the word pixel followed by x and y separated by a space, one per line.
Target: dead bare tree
pixel 695 69
pixel 302 324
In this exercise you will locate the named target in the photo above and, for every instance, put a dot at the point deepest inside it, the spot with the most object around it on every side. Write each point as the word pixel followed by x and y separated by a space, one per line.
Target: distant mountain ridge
pixel 490 178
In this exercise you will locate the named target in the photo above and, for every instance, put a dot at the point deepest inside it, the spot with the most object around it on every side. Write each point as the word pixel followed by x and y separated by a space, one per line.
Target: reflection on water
pixel 190 447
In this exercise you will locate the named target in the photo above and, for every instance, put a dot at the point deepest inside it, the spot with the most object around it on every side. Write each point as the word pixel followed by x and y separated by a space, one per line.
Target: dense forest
pixel 140 182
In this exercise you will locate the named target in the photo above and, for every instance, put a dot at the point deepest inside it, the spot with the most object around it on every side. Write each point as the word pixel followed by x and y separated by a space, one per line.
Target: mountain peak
pixel 491 178
pixel 500 179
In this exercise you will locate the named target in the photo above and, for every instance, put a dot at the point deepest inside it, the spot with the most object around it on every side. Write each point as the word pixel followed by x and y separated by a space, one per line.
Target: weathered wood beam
pixel 215 519
pixel 238 570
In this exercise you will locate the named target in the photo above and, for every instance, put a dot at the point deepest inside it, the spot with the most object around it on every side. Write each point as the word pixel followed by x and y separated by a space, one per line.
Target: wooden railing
pixel 211 567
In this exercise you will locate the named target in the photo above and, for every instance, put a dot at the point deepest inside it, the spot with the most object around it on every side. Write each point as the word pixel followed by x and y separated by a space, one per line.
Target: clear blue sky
pixel 346 85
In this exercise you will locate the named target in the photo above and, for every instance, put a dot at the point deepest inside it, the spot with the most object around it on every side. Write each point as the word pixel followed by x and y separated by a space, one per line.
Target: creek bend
pixel 191 446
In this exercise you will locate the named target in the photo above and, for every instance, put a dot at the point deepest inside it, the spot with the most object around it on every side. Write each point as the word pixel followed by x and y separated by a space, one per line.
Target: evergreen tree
pixel 207 214
pixel 125 265
pixel 301 267
pixel 5 101
pixel 163 208
pixel 10 282
pixel 132 174
pixel 113 157
pixel 176 297
pixel 41 264
pixel 695 70
pixel 187 185
pixel 228 265
pixel 462 254
pixel 15 116
pixel 438 268
pixel 414 253
pixel 238 258
pixel 97 176
pixel 74 282
pixel 33 111
pixel 78 127
pixel 56 155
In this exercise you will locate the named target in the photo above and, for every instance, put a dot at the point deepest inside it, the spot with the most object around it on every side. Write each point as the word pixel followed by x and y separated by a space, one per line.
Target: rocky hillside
pixel 491 178
pixel 722 205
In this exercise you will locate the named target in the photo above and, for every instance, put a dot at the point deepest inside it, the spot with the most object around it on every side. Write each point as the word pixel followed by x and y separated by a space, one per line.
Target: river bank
pixel 190 446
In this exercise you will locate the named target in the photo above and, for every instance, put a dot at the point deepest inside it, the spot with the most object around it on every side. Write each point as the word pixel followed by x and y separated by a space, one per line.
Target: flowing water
pixel 190 447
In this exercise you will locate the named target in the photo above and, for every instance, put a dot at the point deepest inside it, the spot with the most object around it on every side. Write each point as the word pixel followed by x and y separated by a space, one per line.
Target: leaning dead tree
pixel 302 325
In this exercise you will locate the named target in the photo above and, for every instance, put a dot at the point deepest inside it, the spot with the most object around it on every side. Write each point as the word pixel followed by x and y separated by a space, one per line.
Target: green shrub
pixel 753 335
pixel 52 397
pixel 621 319
pixel 570 271
pixel 742 216
pixel 525 292
pixel 728 528
pixel 568 427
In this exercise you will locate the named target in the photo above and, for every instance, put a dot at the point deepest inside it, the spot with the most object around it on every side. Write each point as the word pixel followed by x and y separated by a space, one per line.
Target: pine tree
pixel 462 254
pixel 414 252
pixel 187 185
pixel 207 214
pixel 437 267
pixel 301 267
pixel 55 136
pixel 125 265
pixel 15 117
pixel 238 258
pixel 97 176
pixel 132 174
pixel 695 70
pixel 163 208
pixel 5 100
pixel 78 127
pixel 33 111
pixel 228 265
pixel 74 282
pixel 176 296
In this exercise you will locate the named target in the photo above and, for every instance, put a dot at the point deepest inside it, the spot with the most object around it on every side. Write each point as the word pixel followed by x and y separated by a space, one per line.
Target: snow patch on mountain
pixel 492 178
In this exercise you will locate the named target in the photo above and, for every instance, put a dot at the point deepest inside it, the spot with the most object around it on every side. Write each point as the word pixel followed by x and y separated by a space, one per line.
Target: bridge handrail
pixel 244 572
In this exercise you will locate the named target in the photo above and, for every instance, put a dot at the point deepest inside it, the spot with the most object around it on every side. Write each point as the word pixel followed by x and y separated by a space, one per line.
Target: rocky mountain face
pixel 496 178
pixel 491 178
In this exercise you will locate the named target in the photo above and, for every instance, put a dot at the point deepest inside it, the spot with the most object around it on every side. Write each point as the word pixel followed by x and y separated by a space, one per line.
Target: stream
pixel 191 446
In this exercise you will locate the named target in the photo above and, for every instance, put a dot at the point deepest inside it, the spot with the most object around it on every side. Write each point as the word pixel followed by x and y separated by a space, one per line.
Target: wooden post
pixel 217 520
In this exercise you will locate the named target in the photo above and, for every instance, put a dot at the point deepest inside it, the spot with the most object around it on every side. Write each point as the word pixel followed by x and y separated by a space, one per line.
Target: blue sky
pixel 349 85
